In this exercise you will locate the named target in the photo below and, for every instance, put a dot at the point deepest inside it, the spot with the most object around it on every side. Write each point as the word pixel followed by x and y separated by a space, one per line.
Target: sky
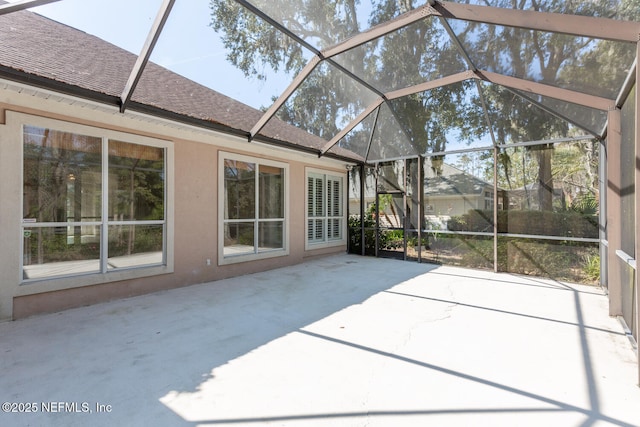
pixel 188 45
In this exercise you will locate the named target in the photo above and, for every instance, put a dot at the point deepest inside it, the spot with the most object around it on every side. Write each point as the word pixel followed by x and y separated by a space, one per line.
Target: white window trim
pixel 17 122
pixel 234 259
pixel 326 243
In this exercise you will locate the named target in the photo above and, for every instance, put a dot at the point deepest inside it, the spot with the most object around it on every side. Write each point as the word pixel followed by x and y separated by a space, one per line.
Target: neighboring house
pixel 97 204
pixel 448 191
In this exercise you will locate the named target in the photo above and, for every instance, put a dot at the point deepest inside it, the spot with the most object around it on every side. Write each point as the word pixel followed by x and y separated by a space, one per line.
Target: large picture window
pixel 253 202
pixel 325 209
pixel 91 204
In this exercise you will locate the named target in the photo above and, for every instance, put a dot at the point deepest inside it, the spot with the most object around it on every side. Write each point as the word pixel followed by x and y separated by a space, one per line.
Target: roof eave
pixel 42 82
pixel 114 101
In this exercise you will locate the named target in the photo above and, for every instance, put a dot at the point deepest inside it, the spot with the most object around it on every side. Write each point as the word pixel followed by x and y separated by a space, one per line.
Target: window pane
pixel 310 230
pixel 334 229
pixel 135 245
pixel 136 182
pixel 62 176
pixel 238 238
pixel 325 204
pixel 315 230
pixel 317 197
pixel 310 196
pixel 333 197
pixel 318 230
pixel 239 190
pixel 271 235
pixel 60 251
pixel 271 192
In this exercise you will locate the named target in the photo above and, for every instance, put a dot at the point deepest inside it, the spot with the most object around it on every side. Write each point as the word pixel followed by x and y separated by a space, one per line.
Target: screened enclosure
pixel 485 209
pixel 487 134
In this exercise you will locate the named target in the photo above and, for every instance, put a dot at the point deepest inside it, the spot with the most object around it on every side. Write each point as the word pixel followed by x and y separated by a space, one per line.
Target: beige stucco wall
pixel 437 206
pixel 453 205
pixel 193 189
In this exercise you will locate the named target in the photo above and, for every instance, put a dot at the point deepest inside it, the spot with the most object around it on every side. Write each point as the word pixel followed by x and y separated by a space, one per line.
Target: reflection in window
pixel 48 252
pixel 136 182
pixel 62 176
pixel 134 245
pixel 64 195
pixel 254 207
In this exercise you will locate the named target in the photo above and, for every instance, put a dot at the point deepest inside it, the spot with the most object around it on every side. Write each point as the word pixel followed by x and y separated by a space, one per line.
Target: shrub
pixel 355 235
pixel 592 267
pixel 545 223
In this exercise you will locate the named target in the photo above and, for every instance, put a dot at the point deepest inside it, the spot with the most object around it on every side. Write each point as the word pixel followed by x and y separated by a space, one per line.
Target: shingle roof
pixel 452 181
pixel 35 46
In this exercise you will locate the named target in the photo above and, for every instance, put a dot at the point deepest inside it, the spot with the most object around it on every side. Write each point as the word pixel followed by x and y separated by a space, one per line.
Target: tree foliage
pixel 423 51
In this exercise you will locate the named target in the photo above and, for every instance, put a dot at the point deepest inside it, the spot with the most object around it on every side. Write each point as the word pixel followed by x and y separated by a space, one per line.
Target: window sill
pixel 322 245
pixel 235 259
pixel 53 284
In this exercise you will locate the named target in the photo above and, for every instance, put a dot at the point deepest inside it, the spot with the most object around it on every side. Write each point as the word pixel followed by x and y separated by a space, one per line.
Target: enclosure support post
pixel 362 237
pixel 602 218
pixel 405 201
pixel 495 209
pixel 637 202
pixel 377 211
pixel 614 201
pixel 420 187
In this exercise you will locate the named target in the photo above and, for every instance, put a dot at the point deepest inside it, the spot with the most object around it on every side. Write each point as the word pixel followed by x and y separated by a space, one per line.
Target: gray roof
pixel 452 182
pixel 39 51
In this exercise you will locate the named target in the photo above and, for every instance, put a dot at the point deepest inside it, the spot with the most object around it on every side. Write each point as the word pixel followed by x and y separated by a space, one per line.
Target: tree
pixel 422 51
pixel 593 66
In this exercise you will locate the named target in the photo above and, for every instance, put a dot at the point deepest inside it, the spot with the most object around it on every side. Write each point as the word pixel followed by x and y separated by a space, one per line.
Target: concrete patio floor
pixel 337 341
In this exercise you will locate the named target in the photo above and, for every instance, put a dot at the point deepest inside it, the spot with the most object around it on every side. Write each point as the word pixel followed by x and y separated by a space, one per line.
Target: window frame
pixel 326 176
pixel 488 200
pixel 103 274
pixel 257 254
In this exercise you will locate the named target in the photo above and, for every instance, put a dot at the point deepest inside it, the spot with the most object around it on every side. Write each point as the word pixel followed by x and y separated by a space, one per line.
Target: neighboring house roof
pixel 452 182
pixel 36 49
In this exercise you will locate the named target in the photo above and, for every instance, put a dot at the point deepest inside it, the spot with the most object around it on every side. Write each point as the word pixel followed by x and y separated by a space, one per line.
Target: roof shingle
pixel 38 46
